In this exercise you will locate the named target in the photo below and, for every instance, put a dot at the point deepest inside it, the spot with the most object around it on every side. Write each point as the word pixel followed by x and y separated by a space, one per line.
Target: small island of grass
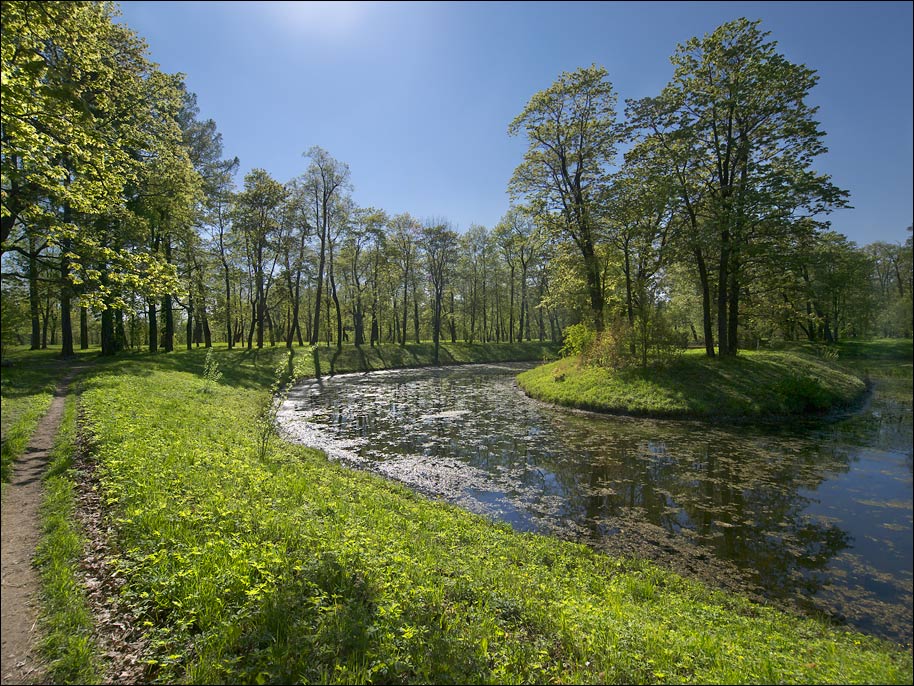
pixel 755 385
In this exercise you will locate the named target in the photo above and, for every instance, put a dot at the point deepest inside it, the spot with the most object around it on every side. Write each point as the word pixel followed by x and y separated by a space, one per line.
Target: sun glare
pixel 328 19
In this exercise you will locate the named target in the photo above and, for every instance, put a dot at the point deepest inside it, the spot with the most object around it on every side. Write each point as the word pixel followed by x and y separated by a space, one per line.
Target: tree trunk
pixel 733 314
pixel 415 313
pixel 190 322
pixel 33 294
pixel 315 329
pixel 66 324
pixel 594 285
pixel 83 328
pixel 511 309
pixel 705 302
pixel 120 336
pixel 167 312
pixel 108 347
pixel 722 281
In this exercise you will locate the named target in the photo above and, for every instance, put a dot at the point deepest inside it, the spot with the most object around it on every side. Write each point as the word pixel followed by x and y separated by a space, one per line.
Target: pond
pixel 814 516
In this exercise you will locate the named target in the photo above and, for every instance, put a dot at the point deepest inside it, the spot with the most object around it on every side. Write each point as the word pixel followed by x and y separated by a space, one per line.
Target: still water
pixel 815 516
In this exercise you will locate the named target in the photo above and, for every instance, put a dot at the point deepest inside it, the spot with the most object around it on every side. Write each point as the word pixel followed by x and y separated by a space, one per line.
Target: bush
pixel 577 340
pixel 612 349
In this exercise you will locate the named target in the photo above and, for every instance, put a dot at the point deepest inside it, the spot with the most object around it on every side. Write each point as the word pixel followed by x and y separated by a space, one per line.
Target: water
pixel 814 516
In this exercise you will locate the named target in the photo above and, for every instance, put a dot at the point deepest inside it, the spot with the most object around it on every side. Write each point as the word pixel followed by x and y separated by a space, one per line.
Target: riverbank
pixel 241 558
pixel 756 385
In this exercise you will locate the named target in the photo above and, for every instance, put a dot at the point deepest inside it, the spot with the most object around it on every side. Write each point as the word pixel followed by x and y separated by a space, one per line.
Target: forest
pixel 692 218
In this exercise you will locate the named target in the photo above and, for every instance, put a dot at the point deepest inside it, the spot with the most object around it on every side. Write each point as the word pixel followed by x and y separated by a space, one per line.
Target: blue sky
pixel 416 97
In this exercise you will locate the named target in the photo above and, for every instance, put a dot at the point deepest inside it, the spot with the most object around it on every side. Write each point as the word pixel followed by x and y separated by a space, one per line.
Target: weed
pixel 211 373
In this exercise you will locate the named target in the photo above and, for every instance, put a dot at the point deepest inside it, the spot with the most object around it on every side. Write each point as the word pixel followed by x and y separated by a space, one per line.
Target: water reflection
pixel 815 516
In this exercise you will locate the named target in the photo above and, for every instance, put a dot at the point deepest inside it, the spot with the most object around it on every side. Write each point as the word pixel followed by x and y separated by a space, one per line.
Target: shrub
pixel 211 373
pixel 576 340
pixel 612 349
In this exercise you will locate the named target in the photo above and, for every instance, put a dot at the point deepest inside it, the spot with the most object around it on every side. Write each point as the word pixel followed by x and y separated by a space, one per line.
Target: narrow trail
pixel 21 530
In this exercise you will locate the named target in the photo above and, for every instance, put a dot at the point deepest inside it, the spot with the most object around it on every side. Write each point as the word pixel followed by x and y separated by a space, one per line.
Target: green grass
pixel 65 622
pixel 888 361
pixel 291 568
pixel 754 385
pixel 26 390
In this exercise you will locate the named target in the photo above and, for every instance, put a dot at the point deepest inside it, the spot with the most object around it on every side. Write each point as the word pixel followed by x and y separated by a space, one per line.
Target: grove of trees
pixel 122 216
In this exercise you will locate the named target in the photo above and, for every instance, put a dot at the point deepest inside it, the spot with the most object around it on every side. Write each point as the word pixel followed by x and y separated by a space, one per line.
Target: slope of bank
pixel 260 562
pixel 756 385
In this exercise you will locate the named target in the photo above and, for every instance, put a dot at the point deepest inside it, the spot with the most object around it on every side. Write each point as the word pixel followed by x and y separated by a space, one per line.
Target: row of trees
pixel 118 204
pixel 716 205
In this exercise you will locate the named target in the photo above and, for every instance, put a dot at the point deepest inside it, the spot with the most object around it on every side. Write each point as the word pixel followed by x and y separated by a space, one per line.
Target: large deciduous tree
pixel 572 133
pixel 745 135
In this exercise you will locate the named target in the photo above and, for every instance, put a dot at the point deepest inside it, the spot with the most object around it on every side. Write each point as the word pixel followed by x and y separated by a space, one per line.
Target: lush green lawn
pixel 289 568
pixel 756 385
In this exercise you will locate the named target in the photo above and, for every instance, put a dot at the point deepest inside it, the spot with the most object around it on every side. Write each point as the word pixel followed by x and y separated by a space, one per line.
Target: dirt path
pixel 19 661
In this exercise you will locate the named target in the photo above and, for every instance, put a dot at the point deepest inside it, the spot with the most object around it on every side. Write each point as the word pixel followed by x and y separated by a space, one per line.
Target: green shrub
pixel 612 348
pixel 576 340
pixel 211 373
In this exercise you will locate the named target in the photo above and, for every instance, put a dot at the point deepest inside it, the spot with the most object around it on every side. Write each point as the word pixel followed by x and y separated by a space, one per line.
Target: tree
pixel 439 243
pixel 642 209
pixel 741 110
pixel 258 216
pixel 83 113
pixel 326 179
pixel 572 134
pixel 404 242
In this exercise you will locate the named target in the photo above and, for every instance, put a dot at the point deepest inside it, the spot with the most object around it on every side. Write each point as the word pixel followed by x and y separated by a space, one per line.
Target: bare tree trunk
pixel 705 302
pixel 83 328
pixel 722 282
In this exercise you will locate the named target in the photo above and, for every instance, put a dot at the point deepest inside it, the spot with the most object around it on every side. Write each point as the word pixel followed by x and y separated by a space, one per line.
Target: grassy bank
pixel 66 622
pixel 289 568
pixel 754 385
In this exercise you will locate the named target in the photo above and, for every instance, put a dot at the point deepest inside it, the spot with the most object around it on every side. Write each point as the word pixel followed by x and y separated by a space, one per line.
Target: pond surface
pixel 814 516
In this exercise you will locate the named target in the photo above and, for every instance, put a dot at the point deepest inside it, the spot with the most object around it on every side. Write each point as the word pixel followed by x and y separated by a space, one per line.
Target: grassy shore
pixel 756 385
pixel 276 566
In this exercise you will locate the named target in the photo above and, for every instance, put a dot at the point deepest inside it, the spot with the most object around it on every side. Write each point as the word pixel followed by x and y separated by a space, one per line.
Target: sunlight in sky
pixel 325 19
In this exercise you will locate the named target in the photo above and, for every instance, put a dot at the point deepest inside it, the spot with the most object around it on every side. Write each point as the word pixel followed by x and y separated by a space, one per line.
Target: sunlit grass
pixel 65 620
pixel 26 390
pixel 294 569
pixel 758 385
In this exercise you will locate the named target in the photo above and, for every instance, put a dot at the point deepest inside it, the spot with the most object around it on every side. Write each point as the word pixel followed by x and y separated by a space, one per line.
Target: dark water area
pixel 814 516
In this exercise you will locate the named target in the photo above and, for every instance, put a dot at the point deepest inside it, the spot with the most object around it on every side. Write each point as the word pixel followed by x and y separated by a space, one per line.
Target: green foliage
pixel 87 120
pixel 576 340
pixel 211 373
pixel 828 353
pixel 619 345
pixel 611 349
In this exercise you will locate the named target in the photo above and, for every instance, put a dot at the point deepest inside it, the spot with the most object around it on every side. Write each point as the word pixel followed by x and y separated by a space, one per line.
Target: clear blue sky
pixel 416 98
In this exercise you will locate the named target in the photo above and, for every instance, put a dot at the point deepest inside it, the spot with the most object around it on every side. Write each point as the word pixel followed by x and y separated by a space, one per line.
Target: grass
pixel 26 389
pixel 755 385
pixel 66 622
pixel 291 568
